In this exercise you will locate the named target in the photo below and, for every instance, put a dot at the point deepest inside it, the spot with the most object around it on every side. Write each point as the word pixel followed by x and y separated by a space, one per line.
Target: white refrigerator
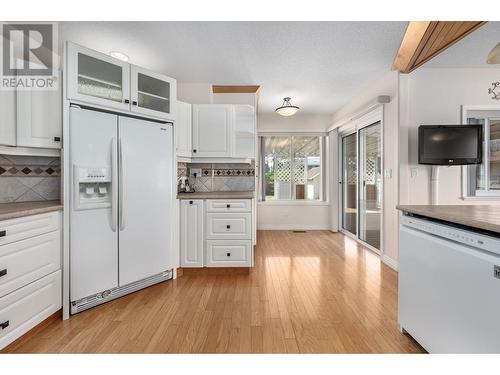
pixel 121 205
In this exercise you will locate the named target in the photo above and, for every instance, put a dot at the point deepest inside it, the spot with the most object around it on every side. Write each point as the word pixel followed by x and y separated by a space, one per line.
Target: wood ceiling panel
pixel 425 39
pixel 235 89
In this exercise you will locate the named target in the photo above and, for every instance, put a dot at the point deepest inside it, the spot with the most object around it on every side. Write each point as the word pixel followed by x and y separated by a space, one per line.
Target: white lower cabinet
pixel 216 233
pixel 191 233
pixel 24 308
pixel 229 253
pixel 25 261
pixel 30 273
pixel 229 226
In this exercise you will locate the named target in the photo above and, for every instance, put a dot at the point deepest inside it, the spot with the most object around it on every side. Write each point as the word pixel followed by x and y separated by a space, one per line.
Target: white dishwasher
pixel 449 287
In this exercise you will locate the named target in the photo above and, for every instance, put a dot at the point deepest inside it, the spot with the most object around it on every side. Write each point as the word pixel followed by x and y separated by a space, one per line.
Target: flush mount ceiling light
pixel 494 55
pixel 118 55
pixel 286 108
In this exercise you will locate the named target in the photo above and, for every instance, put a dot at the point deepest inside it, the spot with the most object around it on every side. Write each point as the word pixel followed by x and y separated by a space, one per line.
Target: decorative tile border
pixel 30 170
pixel 233 172
pixel 220 176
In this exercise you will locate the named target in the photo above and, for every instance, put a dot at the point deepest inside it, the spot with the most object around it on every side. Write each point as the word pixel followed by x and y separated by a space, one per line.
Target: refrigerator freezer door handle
pixel 122 187
pixel 114 185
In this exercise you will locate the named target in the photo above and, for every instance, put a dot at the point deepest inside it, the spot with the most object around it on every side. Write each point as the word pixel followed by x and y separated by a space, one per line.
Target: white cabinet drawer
pixel 28 226
pixel 229 205
pixel 229 253
pixel 229 226
pixel 25 261
pixel 26 307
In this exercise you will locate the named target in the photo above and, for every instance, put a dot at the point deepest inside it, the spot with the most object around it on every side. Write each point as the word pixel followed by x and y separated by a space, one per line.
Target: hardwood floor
pixel 313 292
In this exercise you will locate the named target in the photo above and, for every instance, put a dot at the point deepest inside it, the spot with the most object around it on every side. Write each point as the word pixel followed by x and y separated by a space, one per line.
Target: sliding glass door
pixel 349 183
pixel 361 182
pixel 370 187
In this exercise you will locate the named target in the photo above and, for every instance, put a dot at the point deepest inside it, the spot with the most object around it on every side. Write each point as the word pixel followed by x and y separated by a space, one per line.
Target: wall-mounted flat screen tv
pixel 450 144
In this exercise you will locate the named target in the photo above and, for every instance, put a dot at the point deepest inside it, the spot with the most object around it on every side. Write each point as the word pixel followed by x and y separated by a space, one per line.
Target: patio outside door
pixel 370 184
pixel 349 183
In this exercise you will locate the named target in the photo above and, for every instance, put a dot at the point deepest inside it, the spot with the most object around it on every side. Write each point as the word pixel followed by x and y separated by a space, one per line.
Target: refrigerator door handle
pixel 122 187
pixel 114 184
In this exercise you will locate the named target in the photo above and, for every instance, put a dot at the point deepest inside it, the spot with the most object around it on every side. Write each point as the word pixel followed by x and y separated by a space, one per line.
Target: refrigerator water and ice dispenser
pixel 93 188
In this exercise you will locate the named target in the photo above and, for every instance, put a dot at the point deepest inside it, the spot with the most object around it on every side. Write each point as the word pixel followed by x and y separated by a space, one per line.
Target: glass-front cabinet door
pixel 152 93
pixel 97 78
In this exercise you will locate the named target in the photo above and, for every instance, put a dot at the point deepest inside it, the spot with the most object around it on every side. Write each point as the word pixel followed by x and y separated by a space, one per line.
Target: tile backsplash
pixel 29 178
pixel 219 176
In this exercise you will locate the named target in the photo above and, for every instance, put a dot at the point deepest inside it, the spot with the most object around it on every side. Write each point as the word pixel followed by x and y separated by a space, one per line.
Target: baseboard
pixel 292 227
pixel 390 262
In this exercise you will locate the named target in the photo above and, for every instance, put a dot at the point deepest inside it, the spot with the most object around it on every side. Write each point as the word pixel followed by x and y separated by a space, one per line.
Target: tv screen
pixel 450 144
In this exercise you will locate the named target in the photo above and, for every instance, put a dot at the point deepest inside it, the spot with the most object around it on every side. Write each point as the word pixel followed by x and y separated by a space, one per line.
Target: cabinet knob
pixel 3 233
pixel 228 226
pixel 4 324
pixel 228 205
pixel 194 151
pixel 134 102
pixel 228 254
pixel 3 272
pixel 57 139
pixel 126 101
pixel 190 202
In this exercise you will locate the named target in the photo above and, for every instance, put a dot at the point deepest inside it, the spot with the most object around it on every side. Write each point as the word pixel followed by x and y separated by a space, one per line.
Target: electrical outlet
pixel 413 172
pixel 194 172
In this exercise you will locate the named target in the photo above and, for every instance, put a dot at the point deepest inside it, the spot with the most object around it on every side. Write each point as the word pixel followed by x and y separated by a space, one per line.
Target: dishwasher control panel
pixel 466 237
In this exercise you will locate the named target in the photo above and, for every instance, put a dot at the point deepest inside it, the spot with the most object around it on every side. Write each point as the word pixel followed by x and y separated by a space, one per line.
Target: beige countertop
pixel 20 209
pixel 217 195
pixel 480 217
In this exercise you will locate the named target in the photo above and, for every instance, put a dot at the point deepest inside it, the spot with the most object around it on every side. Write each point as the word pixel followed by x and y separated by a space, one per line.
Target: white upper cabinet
pixel 244 131
pixel 7 118
pixel 31 118
pixel 151 93
pixel 39 119
pixel 182 128
pixel 97 78
pixel 212 130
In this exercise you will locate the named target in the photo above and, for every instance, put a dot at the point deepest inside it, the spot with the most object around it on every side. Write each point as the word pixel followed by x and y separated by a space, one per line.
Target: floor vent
pixel 299 231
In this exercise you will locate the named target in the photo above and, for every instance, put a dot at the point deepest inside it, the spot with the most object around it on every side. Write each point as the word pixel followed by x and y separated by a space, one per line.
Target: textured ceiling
pixel 320 65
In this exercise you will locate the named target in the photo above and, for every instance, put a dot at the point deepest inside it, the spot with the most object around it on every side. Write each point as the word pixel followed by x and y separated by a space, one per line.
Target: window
pixel 484 180
pixel 292 167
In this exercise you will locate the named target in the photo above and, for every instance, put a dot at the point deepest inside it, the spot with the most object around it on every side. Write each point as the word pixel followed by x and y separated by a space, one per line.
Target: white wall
pixel 435 96
pixel 293 215
pixel 298 122
pixel 387 85
pixel 194 93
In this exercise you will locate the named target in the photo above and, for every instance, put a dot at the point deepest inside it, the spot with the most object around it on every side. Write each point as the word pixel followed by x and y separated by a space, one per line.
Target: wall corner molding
pixel 392 263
